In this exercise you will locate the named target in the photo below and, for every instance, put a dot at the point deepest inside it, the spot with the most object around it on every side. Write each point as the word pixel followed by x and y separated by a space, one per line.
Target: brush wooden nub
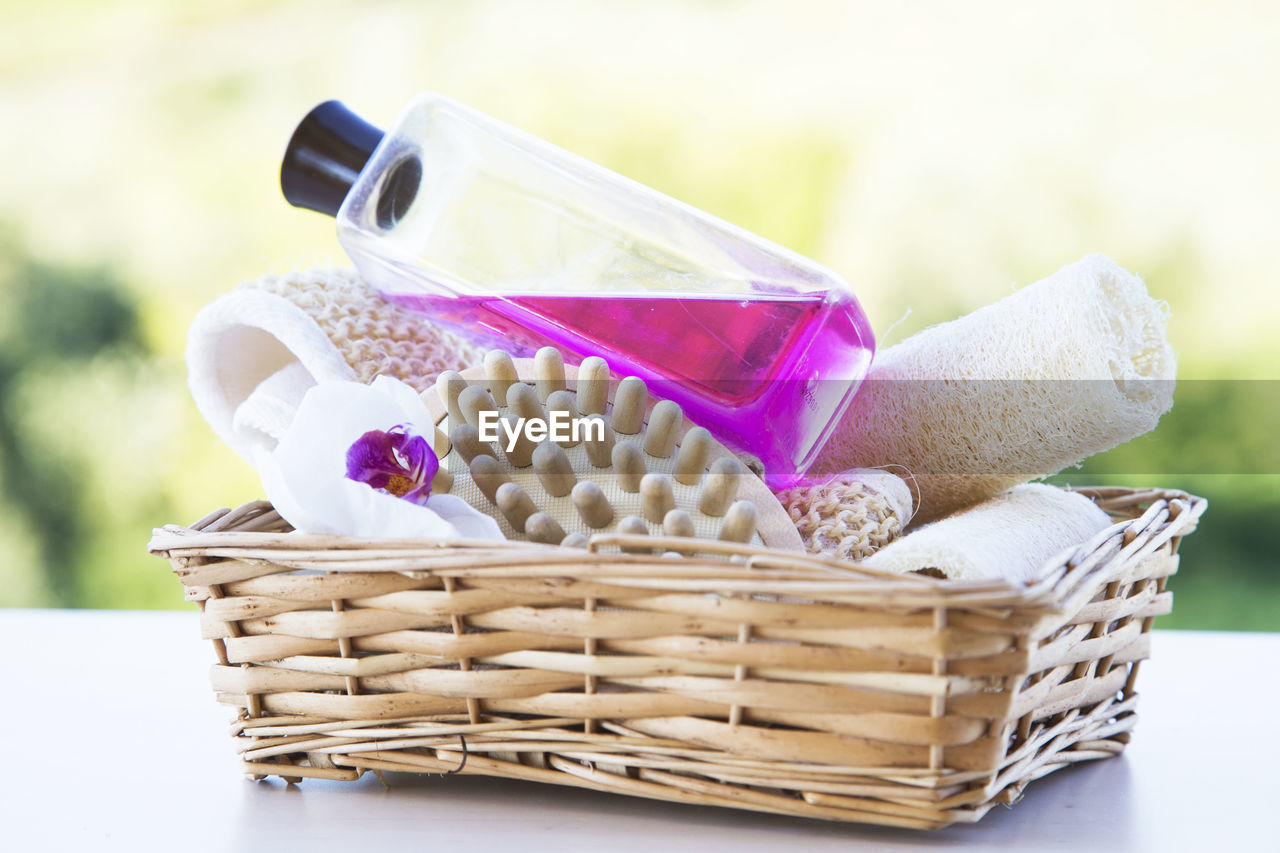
pixel 548 369
pixel 656 497
pixel 553 468
pixel 593 386
pixel 515 504
pixel 628 465
pixel 488 475
pixel 599 441
pixel 501 372
pixel 629 404
pixel 592 505
pixel 466 440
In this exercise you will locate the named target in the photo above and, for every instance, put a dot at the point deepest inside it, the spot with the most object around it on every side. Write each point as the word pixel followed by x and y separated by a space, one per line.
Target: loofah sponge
pixel 1059 370
pixel 373 336
pixel 253 352
pixel 1010 536
pixel 851 515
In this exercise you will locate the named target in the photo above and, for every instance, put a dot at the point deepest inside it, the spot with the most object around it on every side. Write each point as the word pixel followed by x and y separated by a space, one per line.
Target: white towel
pixel 1010 536
pixel 254 352
pixel 1064 368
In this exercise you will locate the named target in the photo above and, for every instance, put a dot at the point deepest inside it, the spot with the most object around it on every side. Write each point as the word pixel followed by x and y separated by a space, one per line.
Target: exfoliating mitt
pixel 253 353
pixel 1010 536
pixel 849 516
pixel 1064 368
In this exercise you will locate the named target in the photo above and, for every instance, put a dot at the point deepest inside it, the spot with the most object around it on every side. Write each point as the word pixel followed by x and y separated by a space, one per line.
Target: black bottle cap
pixel 324 156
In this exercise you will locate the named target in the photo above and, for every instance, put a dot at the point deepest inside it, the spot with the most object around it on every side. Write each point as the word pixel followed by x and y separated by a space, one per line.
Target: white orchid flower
pixel 357 461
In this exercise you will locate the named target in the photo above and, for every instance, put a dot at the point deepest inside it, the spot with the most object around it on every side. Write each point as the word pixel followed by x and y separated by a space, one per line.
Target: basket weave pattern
pixel 770 681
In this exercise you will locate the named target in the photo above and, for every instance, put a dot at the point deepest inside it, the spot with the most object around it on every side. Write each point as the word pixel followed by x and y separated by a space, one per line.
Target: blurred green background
pixel 935 154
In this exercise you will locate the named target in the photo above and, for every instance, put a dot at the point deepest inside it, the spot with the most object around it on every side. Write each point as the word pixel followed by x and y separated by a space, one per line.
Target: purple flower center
pixel 399 462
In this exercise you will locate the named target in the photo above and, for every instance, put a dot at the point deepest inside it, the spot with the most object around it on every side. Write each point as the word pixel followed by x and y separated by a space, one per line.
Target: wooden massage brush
pixel 651 473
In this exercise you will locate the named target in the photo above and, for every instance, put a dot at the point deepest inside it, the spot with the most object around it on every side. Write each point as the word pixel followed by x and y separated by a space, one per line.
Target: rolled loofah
pixel 849 516
pixel 253 353
pixel 1010 536
pixel 1059 370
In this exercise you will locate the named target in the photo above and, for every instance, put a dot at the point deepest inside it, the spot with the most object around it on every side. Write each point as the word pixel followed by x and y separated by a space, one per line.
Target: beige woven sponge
pixel 849 516
pixel 1064 368
pixel 253 352
pixel 1010 536
pixel 373 336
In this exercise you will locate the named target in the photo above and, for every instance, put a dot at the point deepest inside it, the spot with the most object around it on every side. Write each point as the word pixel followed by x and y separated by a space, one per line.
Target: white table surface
pixel 112 740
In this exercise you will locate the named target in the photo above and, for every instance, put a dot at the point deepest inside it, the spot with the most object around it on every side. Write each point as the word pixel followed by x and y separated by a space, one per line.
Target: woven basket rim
pixel 1149 519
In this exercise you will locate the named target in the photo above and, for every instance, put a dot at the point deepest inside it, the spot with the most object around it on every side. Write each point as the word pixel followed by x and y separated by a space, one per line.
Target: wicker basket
pixel 771 681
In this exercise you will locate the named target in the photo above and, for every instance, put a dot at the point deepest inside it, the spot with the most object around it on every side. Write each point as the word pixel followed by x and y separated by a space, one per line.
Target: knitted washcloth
pixel 1059 370
pixel 253 353
pixel 850 516
pixel 374 337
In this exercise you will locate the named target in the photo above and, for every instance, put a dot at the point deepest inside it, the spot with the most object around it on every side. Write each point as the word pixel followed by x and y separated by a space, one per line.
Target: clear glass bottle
pixel 519 244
